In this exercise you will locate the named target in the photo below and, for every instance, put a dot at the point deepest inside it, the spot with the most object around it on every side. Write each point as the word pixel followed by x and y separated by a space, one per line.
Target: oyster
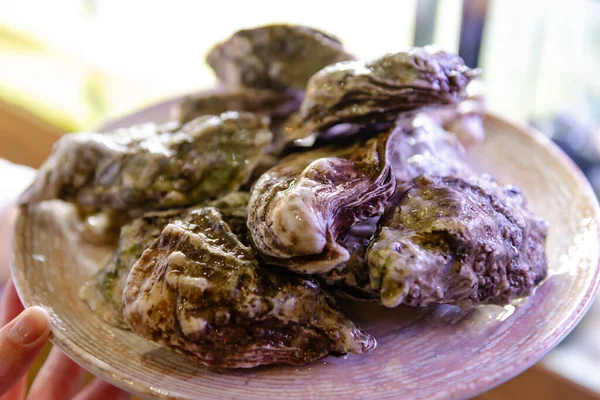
pixel 425 148
pixel 104 292
pixel 151 167
pixel 300 207
pixel 277 105
pixel 351 278
pixel 274 56
pixel 407 257
pixel 464 119
pixel 457 241
pixel 201 292
pixel 421 147
pixel 373 93
pixel 233 210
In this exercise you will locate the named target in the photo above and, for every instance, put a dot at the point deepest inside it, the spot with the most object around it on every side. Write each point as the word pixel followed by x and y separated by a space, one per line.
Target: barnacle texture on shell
pixel 274 56
pixel 201 292
pixel 457 241
pixel 152 167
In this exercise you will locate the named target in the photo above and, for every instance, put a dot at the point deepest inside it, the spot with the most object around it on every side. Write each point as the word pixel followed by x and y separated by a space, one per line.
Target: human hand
pixel 22 337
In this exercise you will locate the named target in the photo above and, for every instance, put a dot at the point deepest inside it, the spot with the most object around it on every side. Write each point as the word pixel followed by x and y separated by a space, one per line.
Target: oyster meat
pixel 201 292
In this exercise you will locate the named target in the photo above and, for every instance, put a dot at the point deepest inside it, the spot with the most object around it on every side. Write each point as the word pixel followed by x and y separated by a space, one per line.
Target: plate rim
pixel 108 373
pixel 562 330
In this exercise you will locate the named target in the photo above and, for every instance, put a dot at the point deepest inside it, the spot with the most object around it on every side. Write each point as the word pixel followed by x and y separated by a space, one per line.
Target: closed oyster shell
pixel 104 292
pixel 300 207
pixel 151 167
pixel 201 292
pixel 460 241
pixel 276 105
pixel 372 93
pixel 275 57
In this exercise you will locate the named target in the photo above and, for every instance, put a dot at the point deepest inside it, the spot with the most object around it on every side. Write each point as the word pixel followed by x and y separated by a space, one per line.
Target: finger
pixel 20 342
pixel 11 304
pixel 100 390
pixel 17 392
pixel 59 378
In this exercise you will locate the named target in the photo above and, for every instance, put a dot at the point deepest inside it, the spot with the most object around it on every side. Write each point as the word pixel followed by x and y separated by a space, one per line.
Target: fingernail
pixel 31 324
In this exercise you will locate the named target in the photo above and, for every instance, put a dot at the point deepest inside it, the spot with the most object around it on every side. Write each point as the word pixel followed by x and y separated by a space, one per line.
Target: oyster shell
pixel 276 105
pixel 373 93
pixel 151 167
pixel 201 292
pixel 275 57
pixel 300 207
pixel 104 292
pixel 460 241
pixel 421 147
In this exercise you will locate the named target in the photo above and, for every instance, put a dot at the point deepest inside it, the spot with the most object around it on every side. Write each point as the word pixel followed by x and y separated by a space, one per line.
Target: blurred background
pixel 69 65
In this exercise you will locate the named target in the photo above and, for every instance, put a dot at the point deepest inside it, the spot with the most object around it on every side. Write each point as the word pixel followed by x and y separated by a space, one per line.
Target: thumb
pixel 20 342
